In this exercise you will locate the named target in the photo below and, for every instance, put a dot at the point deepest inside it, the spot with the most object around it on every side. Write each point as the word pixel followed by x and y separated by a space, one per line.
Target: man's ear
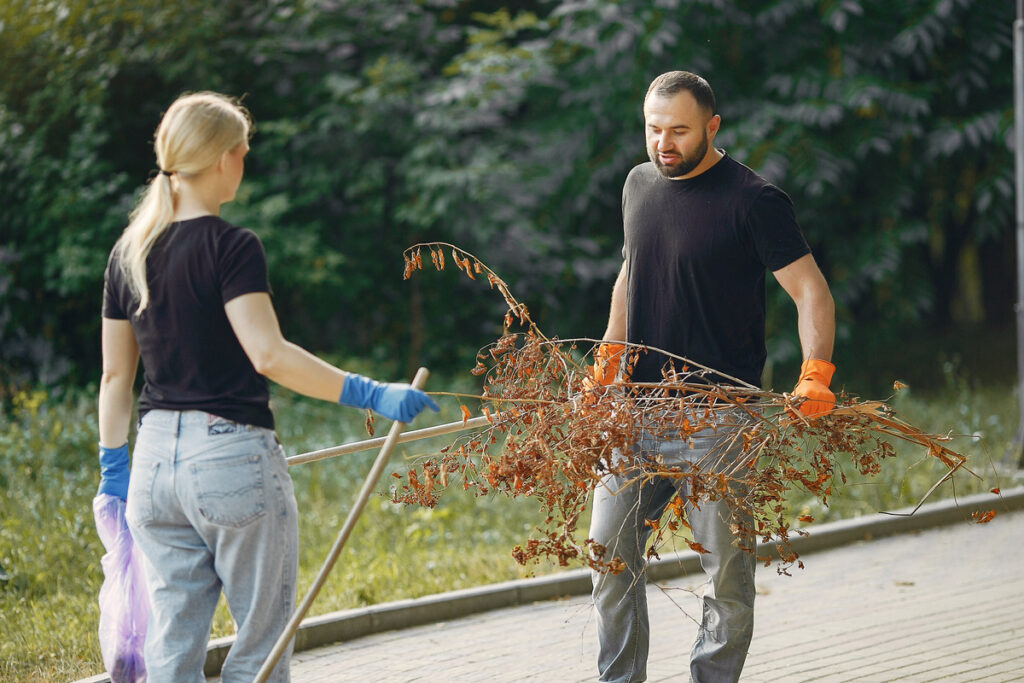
pixel 713 124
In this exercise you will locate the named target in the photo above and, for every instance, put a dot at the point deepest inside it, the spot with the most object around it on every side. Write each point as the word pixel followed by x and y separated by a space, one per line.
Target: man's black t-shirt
pixel 696 251
pixel 191 356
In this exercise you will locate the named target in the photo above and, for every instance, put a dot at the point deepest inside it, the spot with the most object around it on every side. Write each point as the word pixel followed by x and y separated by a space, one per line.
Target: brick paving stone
pixel 946 604
pixel 1002 671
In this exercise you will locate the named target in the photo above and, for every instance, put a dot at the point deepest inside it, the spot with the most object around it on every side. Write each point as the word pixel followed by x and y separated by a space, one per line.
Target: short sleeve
pixel 774 231
pixel 113 288
pixel 242 265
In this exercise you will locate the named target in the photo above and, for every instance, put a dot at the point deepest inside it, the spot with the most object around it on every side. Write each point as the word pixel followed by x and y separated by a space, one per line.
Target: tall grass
pixel 49 551
pixel 981 422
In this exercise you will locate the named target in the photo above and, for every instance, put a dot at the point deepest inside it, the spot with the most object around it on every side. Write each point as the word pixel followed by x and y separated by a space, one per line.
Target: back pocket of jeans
pixel 229 491
pixel 138 510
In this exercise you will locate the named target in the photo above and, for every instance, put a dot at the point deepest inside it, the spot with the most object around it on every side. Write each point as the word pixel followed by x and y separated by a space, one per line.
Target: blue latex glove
pixel 394 401
pixel 114 471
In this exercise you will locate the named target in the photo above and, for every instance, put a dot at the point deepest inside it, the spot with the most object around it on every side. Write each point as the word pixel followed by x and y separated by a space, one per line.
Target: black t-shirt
pixel 696 252
pixel 191 357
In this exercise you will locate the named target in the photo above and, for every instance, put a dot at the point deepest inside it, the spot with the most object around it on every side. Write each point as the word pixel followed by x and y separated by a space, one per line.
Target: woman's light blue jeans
pixel 621 506
pixel 211 507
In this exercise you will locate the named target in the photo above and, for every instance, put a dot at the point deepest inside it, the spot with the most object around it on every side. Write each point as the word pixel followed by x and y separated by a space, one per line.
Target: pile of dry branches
pixel 553 435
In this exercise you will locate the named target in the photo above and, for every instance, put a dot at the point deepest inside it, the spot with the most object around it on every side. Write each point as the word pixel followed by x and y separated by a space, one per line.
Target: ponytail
pixel 193 134
pixel 149 220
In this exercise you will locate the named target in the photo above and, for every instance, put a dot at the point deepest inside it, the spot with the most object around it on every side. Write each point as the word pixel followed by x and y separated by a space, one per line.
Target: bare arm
pixel 120 363
pixel 254 322
pixel 805 284
pixel 616 330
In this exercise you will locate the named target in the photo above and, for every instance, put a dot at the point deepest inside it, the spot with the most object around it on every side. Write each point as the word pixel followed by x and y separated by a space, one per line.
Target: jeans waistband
pixel 170 418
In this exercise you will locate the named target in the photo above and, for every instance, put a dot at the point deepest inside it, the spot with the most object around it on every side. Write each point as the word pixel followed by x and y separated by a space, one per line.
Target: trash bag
pixel 124 604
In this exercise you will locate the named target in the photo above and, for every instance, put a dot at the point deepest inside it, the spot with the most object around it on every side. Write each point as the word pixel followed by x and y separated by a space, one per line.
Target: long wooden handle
pixel 416 434
pixel 371 481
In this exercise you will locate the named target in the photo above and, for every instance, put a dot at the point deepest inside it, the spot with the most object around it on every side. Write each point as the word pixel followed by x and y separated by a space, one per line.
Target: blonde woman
pixel 210 502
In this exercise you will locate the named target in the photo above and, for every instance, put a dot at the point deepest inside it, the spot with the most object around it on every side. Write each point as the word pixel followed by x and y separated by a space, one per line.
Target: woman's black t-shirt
pixel 696 252
pixel 191 357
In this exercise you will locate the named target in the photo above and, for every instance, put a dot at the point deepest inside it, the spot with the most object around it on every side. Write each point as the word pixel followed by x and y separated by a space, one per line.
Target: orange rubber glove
pixel 815 376
pixel 602 373
pixel 606 363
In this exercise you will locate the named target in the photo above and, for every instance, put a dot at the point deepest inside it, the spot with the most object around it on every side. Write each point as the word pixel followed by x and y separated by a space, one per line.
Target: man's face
pixel 679 133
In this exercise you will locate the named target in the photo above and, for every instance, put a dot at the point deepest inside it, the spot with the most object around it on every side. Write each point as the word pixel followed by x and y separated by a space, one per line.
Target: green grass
pixel 49 551
pixel 982 422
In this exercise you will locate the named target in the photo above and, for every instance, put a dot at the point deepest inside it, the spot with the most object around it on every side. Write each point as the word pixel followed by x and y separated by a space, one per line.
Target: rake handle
pixel 415 435
pixel 353 516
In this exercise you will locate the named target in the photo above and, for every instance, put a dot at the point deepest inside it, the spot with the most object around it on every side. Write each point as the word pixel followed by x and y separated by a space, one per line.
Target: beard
pixel 686 163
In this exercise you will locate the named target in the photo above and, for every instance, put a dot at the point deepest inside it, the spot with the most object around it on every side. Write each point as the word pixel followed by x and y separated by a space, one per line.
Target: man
pixel 700 231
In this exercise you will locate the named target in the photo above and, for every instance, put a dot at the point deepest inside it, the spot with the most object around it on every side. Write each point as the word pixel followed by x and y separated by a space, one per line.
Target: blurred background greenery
pixel 506 128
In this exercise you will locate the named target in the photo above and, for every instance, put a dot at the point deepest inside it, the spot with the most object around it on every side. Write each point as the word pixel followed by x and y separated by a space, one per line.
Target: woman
pixel 210 501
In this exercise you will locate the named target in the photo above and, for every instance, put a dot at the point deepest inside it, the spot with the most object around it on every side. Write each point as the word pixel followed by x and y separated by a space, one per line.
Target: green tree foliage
pixel 506 128
pixel 84 84
pixel 889 123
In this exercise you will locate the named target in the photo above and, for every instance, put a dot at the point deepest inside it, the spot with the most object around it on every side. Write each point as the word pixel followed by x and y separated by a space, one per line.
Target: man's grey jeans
pixel 621 506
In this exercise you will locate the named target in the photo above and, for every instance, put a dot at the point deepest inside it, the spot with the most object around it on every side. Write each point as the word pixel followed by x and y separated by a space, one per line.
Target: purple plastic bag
pixel 124 605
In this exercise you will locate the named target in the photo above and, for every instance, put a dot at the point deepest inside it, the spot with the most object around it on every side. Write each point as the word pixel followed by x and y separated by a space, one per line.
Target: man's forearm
pixel 616 330
pixel 817 325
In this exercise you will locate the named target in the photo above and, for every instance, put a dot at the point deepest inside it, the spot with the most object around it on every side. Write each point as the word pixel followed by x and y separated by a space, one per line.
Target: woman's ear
pixel 222 162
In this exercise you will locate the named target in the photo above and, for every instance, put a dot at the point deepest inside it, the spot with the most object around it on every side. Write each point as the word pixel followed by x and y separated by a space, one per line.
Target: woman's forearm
pixel 115 411
pixel 293 367
pixel 120 363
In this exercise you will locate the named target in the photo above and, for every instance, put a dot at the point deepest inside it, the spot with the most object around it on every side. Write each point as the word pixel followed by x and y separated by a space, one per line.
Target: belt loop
pixel 177 435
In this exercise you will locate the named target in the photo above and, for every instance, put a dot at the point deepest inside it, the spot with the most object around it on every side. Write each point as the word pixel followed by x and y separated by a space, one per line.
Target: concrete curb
pixel 355 623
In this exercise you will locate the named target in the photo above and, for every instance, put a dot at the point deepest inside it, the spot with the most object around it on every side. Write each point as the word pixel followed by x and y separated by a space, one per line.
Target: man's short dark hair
pixel 671 83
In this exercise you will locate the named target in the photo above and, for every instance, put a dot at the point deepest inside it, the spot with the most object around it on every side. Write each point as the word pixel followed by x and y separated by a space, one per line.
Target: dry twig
pixel 553 435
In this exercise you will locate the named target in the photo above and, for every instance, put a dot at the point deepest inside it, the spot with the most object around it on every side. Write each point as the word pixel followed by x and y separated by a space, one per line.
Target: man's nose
pixel 664 142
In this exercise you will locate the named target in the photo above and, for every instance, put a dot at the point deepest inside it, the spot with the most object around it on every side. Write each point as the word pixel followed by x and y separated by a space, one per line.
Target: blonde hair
pixel 193 134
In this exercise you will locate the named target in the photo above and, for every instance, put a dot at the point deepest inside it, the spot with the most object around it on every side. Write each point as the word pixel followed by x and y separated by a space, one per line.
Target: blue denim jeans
pixel 211 507
pixel 621 506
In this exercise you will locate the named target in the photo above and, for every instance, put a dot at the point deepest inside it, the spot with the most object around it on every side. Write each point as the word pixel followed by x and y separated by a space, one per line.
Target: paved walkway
pixel 943 604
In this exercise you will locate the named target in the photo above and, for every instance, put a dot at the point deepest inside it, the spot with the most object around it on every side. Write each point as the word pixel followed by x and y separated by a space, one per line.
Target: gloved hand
pixel 606 363
pixel 603 372
pixel 399 402
pixel 114 471
pixel 815 376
